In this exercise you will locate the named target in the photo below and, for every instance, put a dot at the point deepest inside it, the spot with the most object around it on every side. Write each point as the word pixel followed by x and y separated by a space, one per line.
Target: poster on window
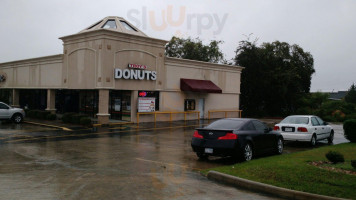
pixel 117 105
pixel 146 104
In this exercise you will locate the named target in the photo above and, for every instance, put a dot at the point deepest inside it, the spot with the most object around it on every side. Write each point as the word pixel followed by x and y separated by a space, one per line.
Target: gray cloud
pixel 324 28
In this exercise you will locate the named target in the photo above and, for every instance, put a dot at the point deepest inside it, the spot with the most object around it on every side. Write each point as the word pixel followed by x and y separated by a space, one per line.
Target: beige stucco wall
pixel 96 55
pixel 174 101
pixel 225 76
pixel 44 72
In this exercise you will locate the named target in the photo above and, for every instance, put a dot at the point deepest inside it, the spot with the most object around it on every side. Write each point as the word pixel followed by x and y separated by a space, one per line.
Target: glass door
pixel 120 105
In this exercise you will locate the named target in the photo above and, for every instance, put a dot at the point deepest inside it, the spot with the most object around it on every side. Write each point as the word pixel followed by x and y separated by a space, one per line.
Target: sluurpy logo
pixel 185 21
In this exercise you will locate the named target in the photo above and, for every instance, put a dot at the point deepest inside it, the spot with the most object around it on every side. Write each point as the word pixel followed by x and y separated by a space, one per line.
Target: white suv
pixel 10 113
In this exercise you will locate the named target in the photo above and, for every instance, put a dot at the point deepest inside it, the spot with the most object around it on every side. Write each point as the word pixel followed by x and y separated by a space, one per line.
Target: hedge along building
pixel 112 70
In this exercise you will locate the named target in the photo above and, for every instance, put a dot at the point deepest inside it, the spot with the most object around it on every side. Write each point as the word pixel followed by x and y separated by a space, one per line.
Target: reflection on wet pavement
pixel 123 162
pixel 143 164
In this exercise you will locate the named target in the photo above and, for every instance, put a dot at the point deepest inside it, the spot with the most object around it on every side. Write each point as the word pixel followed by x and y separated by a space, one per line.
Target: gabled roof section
pixel 337 95
pixel 116 24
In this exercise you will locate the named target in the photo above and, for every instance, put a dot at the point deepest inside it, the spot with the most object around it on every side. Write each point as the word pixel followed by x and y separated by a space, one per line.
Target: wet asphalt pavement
pixel 123 162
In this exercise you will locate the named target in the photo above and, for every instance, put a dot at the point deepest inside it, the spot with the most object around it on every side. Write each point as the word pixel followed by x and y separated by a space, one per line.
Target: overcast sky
pixel 326 29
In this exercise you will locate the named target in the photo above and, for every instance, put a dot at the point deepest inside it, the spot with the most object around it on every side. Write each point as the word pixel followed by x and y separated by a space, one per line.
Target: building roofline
pixel 37 59
pixel 109 32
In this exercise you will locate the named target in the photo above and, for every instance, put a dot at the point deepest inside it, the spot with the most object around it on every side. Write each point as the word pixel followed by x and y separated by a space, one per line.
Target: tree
pixel 351 95
pixel 276 75
pixel 194 49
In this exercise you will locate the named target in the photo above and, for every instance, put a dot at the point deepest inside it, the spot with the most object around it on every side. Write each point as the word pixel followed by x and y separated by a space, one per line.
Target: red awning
pixel 194 85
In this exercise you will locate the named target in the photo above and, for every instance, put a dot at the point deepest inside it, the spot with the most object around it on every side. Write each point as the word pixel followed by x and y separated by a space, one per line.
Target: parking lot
pixel 123 162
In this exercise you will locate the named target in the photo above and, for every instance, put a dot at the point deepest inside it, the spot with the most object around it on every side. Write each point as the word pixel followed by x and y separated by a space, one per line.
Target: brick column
pixel 103 115
pixel 15 98
pixel 51 101
pixel 134 99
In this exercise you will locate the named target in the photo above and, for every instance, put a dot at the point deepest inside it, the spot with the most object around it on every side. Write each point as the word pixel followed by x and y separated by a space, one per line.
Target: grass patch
pixel 292 171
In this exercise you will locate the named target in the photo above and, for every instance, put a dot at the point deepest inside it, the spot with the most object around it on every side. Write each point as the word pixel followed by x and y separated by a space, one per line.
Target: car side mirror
pixel 326 123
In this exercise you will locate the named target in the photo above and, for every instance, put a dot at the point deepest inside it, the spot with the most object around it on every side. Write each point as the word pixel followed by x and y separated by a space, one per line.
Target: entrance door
pixel 201 106
pixel 120 105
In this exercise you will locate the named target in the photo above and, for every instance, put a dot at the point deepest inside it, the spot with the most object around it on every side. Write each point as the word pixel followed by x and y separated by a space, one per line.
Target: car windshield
pixel 226 124
pixel 295 120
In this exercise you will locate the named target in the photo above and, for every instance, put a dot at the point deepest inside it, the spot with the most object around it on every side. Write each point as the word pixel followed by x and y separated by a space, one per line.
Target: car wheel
pixel 17 118
pixel 331 137
pixel 202 156
pixel 280 146
pixel 313 141
pixel 247 152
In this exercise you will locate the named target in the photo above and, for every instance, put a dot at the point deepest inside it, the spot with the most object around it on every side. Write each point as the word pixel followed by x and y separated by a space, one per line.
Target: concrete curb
pixel 264 188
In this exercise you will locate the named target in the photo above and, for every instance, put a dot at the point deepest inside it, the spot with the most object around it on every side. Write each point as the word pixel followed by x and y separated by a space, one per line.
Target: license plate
pixel 288 129
pixel 208 150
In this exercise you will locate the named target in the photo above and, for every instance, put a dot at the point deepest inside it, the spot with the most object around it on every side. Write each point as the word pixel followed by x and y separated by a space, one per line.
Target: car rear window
pixel 226 124
pixel 295 120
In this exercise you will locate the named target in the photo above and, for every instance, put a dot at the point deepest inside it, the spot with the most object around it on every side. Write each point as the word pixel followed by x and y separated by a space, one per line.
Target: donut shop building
pixel 112 70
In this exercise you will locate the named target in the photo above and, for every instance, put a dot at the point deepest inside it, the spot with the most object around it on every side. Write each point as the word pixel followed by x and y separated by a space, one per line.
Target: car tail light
pixel 276 128
pixel 197 135
pixel 228 136
pixel 302 129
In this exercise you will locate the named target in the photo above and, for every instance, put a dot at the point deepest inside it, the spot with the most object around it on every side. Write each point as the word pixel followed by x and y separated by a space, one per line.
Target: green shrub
pixel 350 116
pixel 85 121
pixel 67 117
pixel 338 115
pixel 353 163
pixel 76 118
pixel 51 117
pixel 26 111
pixel 335 157
pixel 31 113
pixel 42 114
pixel 350 129
pixel 329 119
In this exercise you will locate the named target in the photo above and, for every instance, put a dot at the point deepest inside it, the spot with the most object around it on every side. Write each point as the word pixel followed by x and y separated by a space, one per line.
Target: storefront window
pixel 88 103
pixel 154 94
pixel 189 104
pixel 33 99
pixel 5 96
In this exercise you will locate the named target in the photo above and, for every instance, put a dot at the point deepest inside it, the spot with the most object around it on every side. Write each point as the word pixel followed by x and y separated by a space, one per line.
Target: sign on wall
pixel 137 72
pixel 2 78
pixel 146 104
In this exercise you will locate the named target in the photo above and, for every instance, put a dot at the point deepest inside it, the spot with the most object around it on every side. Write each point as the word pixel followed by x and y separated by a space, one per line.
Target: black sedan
pixel 237 137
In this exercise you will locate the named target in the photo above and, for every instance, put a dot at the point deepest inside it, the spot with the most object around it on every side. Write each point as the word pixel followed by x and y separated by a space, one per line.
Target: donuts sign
pixel 136 72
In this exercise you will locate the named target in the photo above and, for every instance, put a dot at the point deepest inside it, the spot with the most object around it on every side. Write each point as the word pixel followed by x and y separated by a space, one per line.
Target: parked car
pixel 307 128
pixel 237 137
pixel 9 113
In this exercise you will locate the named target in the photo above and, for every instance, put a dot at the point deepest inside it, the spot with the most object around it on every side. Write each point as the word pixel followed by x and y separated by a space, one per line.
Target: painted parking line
pixel 113 124
pixel 48 125
pixel 165 164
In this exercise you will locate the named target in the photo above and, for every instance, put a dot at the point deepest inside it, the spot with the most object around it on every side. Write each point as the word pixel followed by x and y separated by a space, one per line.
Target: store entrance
pixel 120 105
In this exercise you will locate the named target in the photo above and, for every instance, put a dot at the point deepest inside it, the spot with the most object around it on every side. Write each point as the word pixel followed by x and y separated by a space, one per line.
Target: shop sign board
pixel 136 66
pixel 146 104
pixel 2 78
pixel 136 72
